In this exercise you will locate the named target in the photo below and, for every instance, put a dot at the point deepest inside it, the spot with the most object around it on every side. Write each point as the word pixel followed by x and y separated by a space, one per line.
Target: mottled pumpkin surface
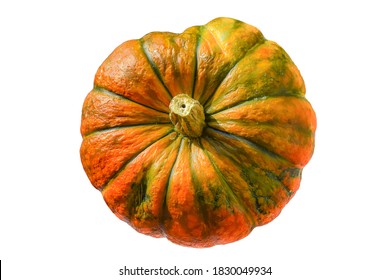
pixel 198 183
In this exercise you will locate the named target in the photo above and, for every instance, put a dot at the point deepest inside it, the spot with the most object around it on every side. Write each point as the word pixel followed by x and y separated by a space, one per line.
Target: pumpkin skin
pixel 212 184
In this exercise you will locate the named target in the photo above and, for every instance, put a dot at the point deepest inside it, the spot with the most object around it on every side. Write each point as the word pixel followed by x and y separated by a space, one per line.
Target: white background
pixel 55 225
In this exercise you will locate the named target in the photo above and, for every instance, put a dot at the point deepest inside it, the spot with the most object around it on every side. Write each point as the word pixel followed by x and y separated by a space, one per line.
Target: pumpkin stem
pixel 187 115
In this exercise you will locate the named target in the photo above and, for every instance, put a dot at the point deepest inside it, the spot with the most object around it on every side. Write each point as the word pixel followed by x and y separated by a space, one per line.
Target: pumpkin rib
pixel 234 162
pixel 127 71
pixel 107 152
pixel 287 142
pixel 284 161
pixel 259 74
pixel 109 92
pixel 162 200
pixel 102 110
pixel 270 188
pixel 136 194
pixel 196 66
pixel 107 129
pixel 284 125
pixel 307 132
pixel 164 204
pixel 228 187
pixel 180 222
pixel 226 158
pixel 268 172
pixel 205 27
pixel 199 193
pixel 282 93
pixel 258 147
pixel 301 128
pixel 153 65
pixel 204 221
pixel 172 55
pixel 115 175
pixel 231 69
pixel 149 187
pixel 222 52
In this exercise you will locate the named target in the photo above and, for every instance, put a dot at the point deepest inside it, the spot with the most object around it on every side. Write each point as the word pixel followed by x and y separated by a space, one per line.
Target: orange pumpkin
pixel 200 136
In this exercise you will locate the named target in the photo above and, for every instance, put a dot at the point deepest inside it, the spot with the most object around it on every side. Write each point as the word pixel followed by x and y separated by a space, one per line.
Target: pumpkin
pixel 198 137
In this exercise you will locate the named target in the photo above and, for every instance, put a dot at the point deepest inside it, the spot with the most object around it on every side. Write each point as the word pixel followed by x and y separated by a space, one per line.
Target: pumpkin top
pixel 187 115
pixel 238 95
